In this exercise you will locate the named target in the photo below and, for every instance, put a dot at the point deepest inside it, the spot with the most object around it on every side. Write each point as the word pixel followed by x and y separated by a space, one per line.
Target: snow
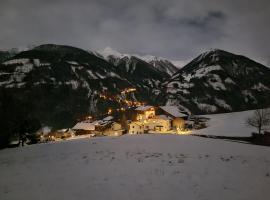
pixel 228 124
pixel 73 62
pixel 223 104
pixel 26 68
pixel 149 58
pixel 108 51
pixel 206 107
pixel 173 110
pixel 92 75
pixel 202 72
pixel 260 87
pixel 216 82
pixel 74 84
pixel 179 63
pixel 206 70
pixel 229 80
pixel 84 126
pixel 112 74
pixel 100 76
pixel 108 118
pixel 136 167
pixel 143 108
pixel 16 61
pixel 15 80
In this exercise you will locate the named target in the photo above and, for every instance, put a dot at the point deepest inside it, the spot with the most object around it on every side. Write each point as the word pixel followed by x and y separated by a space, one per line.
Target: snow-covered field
pixel 228 124
pixel 136 167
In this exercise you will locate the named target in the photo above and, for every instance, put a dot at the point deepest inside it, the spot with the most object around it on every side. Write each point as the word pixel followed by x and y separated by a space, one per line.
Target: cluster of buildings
pixel 163 119
pixel 107 126
pixel 143 120
pixel 148 119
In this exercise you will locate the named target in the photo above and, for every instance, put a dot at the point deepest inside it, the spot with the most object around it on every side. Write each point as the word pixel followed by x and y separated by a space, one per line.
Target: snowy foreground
pixel 228 124
pixel 136 167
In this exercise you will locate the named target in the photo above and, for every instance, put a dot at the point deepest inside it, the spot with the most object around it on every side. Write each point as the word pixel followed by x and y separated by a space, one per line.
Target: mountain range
pixel 59 84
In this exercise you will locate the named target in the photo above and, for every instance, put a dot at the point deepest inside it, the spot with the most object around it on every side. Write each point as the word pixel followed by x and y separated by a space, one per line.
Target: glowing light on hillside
pixel 109 111
pixel 128 90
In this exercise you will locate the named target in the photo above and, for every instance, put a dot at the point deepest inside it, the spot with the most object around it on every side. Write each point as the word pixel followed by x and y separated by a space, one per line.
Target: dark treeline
pixel 16 120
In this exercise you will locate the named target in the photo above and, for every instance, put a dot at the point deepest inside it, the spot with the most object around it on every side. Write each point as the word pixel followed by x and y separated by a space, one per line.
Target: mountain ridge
pixel 219 81
pixel 63 83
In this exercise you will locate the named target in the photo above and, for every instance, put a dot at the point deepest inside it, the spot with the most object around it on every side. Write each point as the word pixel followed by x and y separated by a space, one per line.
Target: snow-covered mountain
pixel 62 83
pixel 59 83
pixel 162 64
pixel 219 81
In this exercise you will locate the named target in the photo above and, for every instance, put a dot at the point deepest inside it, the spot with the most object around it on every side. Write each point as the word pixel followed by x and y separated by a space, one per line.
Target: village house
pixel 179 117
pixel 84 128
pixel 106 126
pixel 145 112
pixel 159 123
pixel 57 135
pixel 136 127
pixel 147 121
pixel 115 129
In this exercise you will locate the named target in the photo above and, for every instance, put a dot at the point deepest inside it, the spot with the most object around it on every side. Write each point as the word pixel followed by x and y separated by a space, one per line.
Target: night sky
pixel 175 29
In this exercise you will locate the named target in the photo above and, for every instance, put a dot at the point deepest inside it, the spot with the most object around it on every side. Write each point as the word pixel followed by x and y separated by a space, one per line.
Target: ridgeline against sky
pixel 176 29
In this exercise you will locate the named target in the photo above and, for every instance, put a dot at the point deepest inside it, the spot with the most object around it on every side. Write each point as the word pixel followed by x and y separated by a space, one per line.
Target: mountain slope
pixel 161 64
pixel 60 83
pixel 219 81
pixel 143 75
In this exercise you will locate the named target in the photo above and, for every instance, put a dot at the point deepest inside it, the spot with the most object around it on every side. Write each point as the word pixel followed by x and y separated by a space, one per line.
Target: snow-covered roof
pixel 108 118
pixel 84 126
pixel 173 110
pixel 143 108
pixel 103 122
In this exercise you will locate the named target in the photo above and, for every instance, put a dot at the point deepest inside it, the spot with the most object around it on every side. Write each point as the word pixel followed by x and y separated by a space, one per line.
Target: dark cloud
pixel 177 29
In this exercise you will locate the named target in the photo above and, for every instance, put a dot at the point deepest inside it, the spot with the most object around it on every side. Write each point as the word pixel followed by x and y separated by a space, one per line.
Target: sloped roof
pixel 108 118
pixel 173 110
pixel 84 126
pixel 144 108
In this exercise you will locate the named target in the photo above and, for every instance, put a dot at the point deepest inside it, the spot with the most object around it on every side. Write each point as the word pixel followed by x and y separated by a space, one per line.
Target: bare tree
pixel 260 119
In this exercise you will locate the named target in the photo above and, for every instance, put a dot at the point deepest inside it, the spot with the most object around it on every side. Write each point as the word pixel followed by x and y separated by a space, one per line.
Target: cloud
pixel 177 29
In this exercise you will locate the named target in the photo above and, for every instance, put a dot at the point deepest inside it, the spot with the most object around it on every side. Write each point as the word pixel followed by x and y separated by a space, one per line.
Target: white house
pixel 136 127
pixel 159 123
pixel 114 130
pixel 178 116
pixel 145 112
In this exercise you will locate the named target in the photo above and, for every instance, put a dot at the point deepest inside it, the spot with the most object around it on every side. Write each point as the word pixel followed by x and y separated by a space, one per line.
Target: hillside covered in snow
pixel 136 167
pixel 162 64
pixel 59 84
pixel 219 81
pixel 228 124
